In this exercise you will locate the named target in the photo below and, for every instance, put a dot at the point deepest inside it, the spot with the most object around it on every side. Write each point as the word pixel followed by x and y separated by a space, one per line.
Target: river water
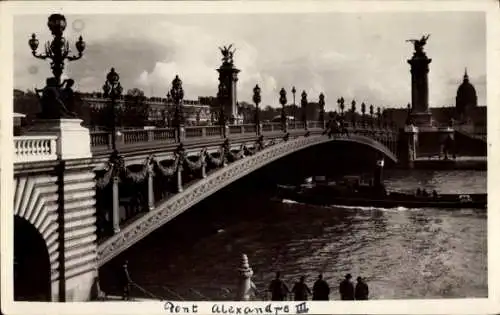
pixel 403 253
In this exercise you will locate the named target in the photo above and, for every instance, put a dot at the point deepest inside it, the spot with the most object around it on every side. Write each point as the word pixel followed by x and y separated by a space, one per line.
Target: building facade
pixel 160 111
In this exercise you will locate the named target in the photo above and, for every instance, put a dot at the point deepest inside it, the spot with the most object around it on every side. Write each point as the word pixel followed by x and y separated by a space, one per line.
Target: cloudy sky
pixel 354 55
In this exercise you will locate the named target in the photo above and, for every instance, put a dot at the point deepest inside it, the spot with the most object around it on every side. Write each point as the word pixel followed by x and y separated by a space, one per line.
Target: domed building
pixel 465 112
pixel 466 99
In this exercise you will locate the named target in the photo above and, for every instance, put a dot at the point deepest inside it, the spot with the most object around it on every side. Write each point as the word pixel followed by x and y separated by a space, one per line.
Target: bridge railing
pixel 42 148
pixel 35 148
pixel 102 139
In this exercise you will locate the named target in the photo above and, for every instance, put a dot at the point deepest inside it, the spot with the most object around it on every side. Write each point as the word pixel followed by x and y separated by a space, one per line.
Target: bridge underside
pixel 168 209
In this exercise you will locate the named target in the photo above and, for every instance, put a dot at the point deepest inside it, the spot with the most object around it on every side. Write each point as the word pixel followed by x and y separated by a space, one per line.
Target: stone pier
pixel 68 223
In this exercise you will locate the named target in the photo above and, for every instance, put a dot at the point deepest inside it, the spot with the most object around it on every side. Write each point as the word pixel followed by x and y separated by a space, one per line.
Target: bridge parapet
pixel 101 140
pixel 35 148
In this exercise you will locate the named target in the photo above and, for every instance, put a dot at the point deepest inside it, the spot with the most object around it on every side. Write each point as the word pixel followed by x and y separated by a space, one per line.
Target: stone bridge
pixel 88 208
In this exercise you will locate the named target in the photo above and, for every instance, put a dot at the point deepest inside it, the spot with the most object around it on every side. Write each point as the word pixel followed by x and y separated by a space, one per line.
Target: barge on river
pixel 353 191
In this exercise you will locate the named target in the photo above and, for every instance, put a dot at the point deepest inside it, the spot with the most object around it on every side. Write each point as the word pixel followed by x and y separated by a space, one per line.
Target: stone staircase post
pixel 245 284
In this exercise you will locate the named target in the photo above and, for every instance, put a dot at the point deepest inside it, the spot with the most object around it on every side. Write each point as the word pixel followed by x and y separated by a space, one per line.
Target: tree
pixel 135 111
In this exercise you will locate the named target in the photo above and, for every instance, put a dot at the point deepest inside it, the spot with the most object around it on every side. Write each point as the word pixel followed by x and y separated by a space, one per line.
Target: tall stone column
pixel 419 63
pixel 228 78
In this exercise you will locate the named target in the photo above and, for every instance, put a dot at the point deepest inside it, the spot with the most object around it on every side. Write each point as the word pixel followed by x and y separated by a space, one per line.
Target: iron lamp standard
pixel 379 116
pixel 321 103
pixel 283 114
pixel 363 113
pixel 294 105
pixel 341 101
pixel 58 49
pixel 113 89
pixel 371 115
pixel 177 94
pixel 353 113
pixel 256 100
pixel 303 104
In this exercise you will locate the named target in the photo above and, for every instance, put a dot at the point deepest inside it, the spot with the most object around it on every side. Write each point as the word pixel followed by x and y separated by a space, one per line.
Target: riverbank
pixel 473 163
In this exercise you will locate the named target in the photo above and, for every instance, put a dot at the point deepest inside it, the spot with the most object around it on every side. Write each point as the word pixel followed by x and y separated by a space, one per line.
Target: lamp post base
pixel 73 140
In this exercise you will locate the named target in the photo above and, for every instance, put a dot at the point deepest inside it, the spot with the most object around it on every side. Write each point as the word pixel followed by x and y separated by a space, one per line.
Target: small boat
pixel 354 191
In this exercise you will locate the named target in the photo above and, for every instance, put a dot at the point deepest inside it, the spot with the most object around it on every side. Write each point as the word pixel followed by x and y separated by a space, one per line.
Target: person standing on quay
pixel 301 290
pixel 346 288
pixel 125 281
pixel 361 292
pixel 321 290
pixel 278 289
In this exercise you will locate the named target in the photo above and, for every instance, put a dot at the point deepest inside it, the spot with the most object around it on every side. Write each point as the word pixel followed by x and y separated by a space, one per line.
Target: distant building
pixel 465 112
pixel 466 99
pixel 160 110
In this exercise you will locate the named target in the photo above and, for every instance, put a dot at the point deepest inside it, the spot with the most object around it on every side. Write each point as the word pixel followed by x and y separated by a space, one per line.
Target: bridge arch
pixel 32 277
pixel 201 189
pixel 36 235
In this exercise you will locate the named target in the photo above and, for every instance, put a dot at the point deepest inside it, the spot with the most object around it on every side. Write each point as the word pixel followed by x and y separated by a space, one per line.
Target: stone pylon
pixel 245 283
pixel 420 113
pixel 228 79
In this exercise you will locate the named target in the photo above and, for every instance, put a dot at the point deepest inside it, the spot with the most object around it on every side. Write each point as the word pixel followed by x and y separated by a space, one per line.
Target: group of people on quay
pixel 320 291
pixel 279 291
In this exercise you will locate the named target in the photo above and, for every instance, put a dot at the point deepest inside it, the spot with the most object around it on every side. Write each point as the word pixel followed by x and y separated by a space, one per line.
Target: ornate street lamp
pixel 283 103
pixel 363 112
pixel 353 113
pixel 408 117
pixel 371 115
pixel 58 49
pixel 303 104
pixel 379 116
pixel 321 103
pixel 340 101
pixel 384 118
pixel 177 94
pixel 256 100
pixel 294 104
pixel 113 89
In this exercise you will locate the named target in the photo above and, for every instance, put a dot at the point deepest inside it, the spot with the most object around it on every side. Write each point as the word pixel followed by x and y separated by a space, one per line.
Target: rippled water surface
pixel 403 253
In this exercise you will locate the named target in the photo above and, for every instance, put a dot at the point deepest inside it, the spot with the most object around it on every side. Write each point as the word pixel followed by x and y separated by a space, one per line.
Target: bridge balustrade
pixel 102 139
pixel 35 148
pixel 194 132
